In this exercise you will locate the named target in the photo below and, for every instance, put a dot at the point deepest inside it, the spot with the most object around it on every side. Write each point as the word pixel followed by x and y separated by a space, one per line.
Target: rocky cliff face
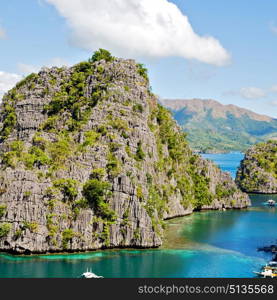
pixel 90 160
pixel 258 170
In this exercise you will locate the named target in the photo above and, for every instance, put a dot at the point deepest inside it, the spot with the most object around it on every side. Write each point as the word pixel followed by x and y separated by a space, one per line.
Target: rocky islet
pixel 258 170
pixel 91 160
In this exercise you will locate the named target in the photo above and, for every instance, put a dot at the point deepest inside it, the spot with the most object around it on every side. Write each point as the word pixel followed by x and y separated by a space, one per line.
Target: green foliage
pixel 128 151
pixel 140 155
pixel 208 132
pixel 39 142
pixel 52 227
pixel 149 178
pixel 68 187
pixel 155 202
pixel 140 193
pixel 17 146
pixel 101 54
pixel 95 191
pixel 126 213
pixel 114 147
pixel 81 203
pixel 103 130
pixel 3 191
pixel 202 194
pixel 27 194
pixel 60 150
pixel 83 67
pixel 27 80
pixel 35 157
pixel 223 191
pixel 5 229
pixel 71 97
pixel 142 71
pixel 167 135
pixel 67 236
pixel 105 234
pixel 119 124
pixel 9 115
pixel 186 189
pixel 18 233
pixel 51 203
pixel 98 174
pixel 113 166
pixel 138 108
pixel 259 167
pixel 50 124
pixel 10 159
pixel 33 227
pixel 90 139
pixel 137 234
pixel 3 209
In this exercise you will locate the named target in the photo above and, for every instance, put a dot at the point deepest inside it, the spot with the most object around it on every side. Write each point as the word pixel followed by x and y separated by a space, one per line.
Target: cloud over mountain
pixel 148 28
pixel 7 81
pixel 2 33
pixel 252 93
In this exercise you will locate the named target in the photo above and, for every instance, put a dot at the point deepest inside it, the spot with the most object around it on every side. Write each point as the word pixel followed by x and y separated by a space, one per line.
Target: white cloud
pixel 2 33
pixel 149 28
pixel 248 93
pixel 7 81
pixel 56 62
pixel 273 27
pixel 27 69
pixel 252 93
pixel 274 102
pixel 274 88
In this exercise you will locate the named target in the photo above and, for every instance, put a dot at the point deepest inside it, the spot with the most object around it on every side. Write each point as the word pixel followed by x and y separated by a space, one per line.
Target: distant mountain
pixel 213 127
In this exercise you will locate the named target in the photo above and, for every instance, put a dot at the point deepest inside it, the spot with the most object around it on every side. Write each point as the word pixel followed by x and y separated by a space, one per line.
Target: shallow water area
pixel 205 244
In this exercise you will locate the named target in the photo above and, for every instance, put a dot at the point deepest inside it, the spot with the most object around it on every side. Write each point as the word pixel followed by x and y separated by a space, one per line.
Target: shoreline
pixel 104 249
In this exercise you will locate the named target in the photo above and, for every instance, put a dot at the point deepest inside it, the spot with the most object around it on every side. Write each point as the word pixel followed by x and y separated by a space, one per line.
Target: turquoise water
pixel 205 244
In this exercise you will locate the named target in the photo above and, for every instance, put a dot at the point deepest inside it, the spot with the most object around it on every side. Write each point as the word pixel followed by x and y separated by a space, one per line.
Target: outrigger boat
pixel 271 202
pixel 270 270
pixel 89 275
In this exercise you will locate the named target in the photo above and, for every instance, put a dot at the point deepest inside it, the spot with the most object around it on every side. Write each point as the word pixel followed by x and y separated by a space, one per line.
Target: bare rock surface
pixel 90 160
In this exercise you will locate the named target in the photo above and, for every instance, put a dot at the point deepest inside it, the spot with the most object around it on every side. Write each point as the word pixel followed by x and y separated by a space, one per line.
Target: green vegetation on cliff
pixel 214 127
pixel 105 162
pixel 258 170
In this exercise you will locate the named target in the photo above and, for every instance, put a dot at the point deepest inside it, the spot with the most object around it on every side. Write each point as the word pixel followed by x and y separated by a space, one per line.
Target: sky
pixel 212 49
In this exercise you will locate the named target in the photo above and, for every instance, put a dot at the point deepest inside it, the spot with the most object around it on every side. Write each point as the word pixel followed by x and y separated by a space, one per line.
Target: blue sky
pixel 35 33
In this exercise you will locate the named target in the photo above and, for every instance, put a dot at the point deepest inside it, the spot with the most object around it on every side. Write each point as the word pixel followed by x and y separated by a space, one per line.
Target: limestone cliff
pixel 90 160
pixel 258 170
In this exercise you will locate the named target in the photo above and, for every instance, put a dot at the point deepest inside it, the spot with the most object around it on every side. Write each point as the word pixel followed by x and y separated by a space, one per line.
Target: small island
pixel 258 170
pixel 91 160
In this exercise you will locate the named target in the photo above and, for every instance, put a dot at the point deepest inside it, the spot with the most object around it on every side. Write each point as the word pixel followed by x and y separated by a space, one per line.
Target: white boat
pixel 89 275
pixel 270 270
pixel 267 273
pixel 271 202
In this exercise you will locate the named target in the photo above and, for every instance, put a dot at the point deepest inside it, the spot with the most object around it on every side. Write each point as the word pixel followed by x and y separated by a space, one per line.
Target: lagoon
pixel 205 244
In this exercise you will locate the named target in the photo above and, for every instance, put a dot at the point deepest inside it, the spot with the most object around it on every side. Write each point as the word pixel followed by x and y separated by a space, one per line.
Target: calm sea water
pixel 205 244
pixel 228 162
